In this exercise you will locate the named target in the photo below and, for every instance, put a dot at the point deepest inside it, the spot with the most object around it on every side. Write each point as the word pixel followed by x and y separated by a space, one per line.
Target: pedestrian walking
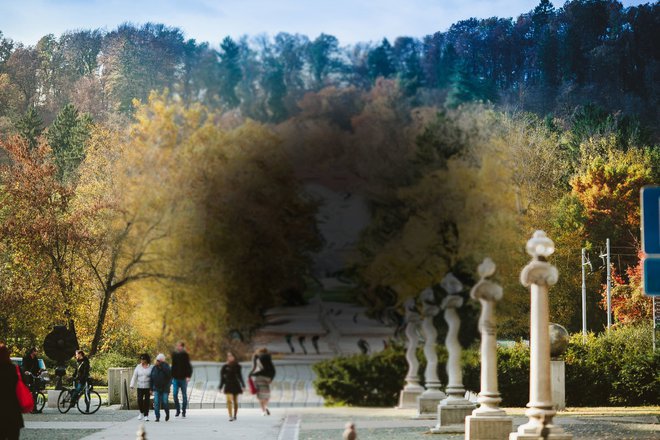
pixel 11 419
pixel 142 381
pixel 181 373
pixel 81 377
pixel 161 380
pixel 31 371
pixel 263 372
pixel 231 383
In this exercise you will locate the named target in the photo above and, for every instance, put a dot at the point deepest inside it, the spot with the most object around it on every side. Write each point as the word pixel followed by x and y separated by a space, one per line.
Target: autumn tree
pixel 42 239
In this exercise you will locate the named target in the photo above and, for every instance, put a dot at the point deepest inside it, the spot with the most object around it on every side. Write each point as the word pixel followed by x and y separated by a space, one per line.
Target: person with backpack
pixel 231 383
pixel 263 372
pixel 161 380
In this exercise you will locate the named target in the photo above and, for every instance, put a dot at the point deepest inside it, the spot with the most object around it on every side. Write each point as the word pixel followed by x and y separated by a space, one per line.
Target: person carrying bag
pixel 15 398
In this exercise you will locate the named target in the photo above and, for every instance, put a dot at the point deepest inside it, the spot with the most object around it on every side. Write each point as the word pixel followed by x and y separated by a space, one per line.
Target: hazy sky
pixel 210 20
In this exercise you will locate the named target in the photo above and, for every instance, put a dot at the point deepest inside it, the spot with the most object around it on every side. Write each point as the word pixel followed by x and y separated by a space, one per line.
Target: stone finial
pixel 451 284
pixel 540 245
pixel 486 289
pixel 539 271
pixel 410 311
pixel 349 433
pixel 486 268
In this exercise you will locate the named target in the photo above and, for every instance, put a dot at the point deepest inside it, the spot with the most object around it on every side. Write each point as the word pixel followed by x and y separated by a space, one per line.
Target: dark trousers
pixel 143 400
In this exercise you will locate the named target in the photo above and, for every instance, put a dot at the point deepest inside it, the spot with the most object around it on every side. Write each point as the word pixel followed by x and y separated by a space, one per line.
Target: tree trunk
pixel 103 310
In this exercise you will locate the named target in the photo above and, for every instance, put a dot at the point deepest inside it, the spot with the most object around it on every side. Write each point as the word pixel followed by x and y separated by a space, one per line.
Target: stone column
pixel 488 422
pixel 539 275
pixel 455 407
pixel 412 389
pixel 429 399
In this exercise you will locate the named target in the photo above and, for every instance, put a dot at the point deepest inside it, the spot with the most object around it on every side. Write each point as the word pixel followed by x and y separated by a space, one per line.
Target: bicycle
pixel 36 386
pixel 90 404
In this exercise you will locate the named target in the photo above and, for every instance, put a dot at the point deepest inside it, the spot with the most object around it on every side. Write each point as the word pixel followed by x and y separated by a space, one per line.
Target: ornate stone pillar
pixel 488 422
pixel 539 275
pixel 429 399
pixel 454 408
pixel 412 389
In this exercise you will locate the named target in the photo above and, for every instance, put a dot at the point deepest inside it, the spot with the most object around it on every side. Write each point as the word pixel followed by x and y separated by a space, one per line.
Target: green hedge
pixel 615 369
pixel 103 361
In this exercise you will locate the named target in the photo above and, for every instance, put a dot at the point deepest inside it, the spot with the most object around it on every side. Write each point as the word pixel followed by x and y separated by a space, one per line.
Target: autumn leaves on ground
pixel 185 214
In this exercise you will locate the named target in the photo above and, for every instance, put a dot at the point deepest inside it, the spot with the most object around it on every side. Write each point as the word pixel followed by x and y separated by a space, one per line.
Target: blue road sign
pixel 651 276
pixel 650 224
pixel 651 220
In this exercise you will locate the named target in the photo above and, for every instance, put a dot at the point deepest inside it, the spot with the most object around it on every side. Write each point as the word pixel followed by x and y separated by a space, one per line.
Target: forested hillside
pixel 546 60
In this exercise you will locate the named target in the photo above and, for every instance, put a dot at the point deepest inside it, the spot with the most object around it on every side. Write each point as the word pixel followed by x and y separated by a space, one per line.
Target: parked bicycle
pixel 88 402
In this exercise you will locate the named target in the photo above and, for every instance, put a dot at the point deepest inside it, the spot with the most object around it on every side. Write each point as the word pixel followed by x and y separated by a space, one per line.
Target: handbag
pixel 25 400
pixel 252 386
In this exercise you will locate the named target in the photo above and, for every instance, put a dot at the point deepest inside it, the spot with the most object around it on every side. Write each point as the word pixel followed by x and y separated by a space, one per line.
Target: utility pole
pixel 584 299
pixel 609 287
pixel 606 259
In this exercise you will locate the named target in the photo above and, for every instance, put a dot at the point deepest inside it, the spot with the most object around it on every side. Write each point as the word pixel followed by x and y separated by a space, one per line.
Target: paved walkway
pixel 321 424
pixel 200 424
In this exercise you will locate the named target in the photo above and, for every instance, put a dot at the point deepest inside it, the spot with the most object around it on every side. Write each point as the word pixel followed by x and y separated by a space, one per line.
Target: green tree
pixel 230 71
pixel 30 126
pixel 321 55
pixel 380 61
pixel 67 136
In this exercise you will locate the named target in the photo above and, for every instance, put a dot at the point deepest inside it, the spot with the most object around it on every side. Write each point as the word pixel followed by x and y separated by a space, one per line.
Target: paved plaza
pixel 320 424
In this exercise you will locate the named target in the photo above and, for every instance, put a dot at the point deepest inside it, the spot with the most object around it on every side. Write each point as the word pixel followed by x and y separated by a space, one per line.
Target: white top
pixel 142 377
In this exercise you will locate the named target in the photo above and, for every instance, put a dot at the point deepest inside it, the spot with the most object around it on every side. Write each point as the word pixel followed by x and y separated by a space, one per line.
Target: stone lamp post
pixel 488 422
pixel 539 275
pixel 412 389
pixel 429 399
pixel 452 410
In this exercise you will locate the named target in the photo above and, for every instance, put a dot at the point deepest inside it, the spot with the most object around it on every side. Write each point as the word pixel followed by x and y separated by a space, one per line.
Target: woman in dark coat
pixel 231 383
pixel 11 419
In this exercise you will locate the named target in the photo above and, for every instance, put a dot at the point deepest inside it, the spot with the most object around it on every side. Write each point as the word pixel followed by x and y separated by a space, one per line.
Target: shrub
pixel 377 380
pixel 362 380
pixel 618 368
pixel 103 361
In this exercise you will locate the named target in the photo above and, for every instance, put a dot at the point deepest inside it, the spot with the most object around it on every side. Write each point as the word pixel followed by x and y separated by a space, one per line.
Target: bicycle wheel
pixel 64 401
pixel 89 402
pixel 41 402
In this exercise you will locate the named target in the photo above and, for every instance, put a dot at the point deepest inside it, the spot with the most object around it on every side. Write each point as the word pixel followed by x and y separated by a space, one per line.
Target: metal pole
pixel 654 318
pixel 609 287
pixel 584 300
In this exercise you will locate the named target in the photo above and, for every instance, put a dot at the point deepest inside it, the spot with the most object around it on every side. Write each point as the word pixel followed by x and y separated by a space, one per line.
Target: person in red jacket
pixel 11 419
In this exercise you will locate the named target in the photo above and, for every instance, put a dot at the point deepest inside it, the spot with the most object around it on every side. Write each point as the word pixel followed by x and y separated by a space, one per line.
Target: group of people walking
pixel 157 379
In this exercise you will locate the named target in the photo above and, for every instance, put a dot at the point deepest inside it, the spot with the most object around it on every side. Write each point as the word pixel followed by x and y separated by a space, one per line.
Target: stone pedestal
pixel 451 416
pixel 52 398
pixel 427 404
pixel 128 397
pixel 558 385
pixel 488 427
pixel 114 384
pixel 408 397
